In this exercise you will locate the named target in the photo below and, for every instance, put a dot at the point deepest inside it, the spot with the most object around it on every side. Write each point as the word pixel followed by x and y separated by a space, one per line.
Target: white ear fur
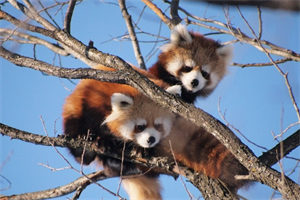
pixel 180 35
pixel 226 52
pixel 119 100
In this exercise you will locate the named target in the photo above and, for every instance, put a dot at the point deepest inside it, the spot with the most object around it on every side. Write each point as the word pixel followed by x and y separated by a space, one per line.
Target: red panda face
pixel 199 63
pixel 138 119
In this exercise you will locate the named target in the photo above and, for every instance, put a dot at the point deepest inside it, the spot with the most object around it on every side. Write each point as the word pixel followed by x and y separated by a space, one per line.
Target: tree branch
pixel 159 13
pixel 68 17
pixel 175 19
pixel 199 180
pixel 135 43
pixel 274 155
pixel 81 182
pixel 53 47
pixel 261 64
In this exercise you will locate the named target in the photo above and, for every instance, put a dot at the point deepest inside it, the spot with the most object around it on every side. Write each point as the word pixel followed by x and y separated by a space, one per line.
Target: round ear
pixel 225 52
pixel 180 35
pixel 120 101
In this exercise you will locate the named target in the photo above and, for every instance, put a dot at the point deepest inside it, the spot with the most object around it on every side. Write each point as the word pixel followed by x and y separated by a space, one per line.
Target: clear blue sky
pixel 256 100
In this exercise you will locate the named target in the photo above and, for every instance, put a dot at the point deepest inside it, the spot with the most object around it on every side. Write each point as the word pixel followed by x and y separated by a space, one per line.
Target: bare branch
pixel 135 43
pixel 81 182
pixel 259 22
pixel 24 25
pixel 261 64
pixel 159 13
pixel 68 17
pixel 271 157
pixel 284 75
pixel 30 12
pixel 34 40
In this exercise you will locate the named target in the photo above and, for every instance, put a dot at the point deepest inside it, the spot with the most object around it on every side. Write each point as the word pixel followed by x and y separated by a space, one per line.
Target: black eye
pixel 205 74
pixel 139 128
pixel 186 69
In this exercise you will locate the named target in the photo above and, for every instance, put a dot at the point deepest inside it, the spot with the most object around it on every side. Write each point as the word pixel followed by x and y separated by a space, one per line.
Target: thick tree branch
pixel 166 164
pixel 274 155
pixel 174 12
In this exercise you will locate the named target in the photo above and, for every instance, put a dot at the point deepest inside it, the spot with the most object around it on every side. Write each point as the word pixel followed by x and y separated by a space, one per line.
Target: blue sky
pixel 256 100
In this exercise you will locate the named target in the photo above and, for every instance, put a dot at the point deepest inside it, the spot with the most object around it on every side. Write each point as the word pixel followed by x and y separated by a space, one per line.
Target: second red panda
pixel 193 61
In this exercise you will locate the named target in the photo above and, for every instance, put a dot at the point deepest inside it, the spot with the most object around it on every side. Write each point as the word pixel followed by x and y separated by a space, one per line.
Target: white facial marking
pixel 140 121
pixel 143 137
pixel 174 66
pixel 126 130
pixel 190 63
pixel 187 79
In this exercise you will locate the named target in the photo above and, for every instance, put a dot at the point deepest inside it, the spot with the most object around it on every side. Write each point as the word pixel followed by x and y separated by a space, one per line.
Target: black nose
pixel 151 140
pixel 195 83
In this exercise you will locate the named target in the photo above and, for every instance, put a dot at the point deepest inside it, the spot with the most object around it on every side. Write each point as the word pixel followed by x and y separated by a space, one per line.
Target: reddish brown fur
pixel 89 104
pixel 203 51
pixel 202 152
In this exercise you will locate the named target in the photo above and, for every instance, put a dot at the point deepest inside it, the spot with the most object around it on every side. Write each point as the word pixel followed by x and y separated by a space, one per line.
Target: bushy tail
pixel 142 187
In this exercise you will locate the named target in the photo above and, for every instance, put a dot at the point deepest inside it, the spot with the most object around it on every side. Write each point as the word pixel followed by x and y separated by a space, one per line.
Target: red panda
pixel 89 104
pixel 193 61
pixel 192 146
pixel 102 109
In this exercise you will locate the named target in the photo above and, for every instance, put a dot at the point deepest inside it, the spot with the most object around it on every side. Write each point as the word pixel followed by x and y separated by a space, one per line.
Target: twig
pixel 30 12
pixel 68 17
pixel 176 164
pixel 262 64
pixel 134 41
pixel 35 40
pixel 47 13
pixel 259 22
pixel 159 13
pixel 233 127
pixel 284 75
